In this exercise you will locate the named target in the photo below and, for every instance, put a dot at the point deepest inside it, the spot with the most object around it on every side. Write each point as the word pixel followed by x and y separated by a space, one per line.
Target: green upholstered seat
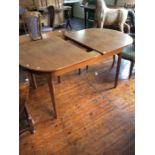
pixel 129 53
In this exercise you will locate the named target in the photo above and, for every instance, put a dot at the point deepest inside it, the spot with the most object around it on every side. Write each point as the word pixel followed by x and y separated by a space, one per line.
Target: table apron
pixel 85 63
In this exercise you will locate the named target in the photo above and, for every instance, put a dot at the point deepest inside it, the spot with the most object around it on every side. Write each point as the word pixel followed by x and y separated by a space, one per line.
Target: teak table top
pixel 51 54
pixel 101 40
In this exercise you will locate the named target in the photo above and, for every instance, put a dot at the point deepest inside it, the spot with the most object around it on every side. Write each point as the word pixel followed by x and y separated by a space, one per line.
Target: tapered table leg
pixel 131 68
pixel 113 63
pixel 52 92
pixel 118 69
pixel 59 79
pixel 79 71
pixel 33 78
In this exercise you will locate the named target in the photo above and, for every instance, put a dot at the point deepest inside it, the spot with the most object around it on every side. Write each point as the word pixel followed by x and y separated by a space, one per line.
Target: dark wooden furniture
pixel 86 10
pixel 51 15
pixel 54 56
pixel 25 120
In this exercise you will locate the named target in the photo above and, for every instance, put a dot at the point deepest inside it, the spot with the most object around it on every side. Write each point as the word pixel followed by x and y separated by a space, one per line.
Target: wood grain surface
pixel 101 40
pixel 51 54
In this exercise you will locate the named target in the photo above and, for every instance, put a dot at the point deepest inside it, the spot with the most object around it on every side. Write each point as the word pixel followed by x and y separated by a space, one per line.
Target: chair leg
pixel 131 68
pixel 113 63
pixel 87 68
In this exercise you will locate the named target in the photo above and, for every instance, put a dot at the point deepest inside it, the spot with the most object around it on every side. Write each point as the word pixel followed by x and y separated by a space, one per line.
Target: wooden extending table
pixel 54 56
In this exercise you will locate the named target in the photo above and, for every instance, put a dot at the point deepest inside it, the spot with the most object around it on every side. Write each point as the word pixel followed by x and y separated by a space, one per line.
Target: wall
pixel 78 11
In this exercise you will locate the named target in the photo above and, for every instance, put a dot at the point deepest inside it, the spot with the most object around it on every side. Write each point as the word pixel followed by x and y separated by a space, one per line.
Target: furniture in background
pixel 130 6
pixel 89 15
pixel 67 10
pixel 51 16
pixel 33 23
pixel 54 57
pixel 105 16
pixel 25 120
pixel 71 3
pixel 41 6
pixel 89 12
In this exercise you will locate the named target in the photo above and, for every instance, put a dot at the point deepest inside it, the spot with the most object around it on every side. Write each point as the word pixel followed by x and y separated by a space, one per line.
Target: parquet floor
pixel 93 118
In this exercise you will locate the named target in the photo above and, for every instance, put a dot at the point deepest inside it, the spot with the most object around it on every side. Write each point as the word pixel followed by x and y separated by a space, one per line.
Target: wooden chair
pixel 25 120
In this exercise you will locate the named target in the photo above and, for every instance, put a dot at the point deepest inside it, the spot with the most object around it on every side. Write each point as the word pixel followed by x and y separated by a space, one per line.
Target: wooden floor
pixel 93 118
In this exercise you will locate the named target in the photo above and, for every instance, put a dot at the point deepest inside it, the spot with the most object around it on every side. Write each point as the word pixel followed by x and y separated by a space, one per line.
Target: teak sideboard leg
pixel 118 69
pixel 52 92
